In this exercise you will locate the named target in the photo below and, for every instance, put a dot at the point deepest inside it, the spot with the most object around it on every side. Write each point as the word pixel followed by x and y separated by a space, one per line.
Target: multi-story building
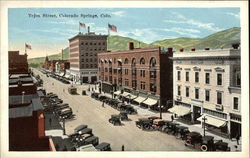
pixel 207 84
pixel 143 74
pixel 83 55
pixel 59 66
pixel 17 63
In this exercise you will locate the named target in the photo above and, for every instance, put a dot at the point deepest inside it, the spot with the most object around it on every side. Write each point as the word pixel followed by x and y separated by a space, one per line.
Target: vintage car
pixel 102 97
pixel 76 138
pixel 144 123
pixel 85 131
pixel 115 120
pixel 165 126
pixel 123 115
pixel 209 144
pixel 95 95
pixel 181 132
pixel 103 147
pixel 130 109
pixel 121 106
pixel 158 124
pixel 80 127
pixel 153 117
pixel 193 138
pixel 72 90
pixel 90 140
pixel 172 128
pixel 65 113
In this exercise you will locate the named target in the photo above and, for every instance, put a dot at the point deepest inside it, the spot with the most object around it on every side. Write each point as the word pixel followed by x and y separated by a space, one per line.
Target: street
pixel 90 112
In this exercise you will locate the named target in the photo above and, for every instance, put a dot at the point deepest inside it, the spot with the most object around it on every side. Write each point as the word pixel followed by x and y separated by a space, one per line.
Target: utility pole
pixel 204 119
pixel 160 108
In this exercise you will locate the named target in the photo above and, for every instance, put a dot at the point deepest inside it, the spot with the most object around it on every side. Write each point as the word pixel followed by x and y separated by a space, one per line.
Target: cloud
pixel 188 21
pixel 118 13
pixel 183 31
pixel 236 15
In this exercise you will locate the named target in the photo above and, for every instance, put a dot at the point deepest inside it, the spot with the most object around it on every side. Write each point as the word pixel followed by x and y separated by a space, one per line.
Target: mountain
pixel 217 40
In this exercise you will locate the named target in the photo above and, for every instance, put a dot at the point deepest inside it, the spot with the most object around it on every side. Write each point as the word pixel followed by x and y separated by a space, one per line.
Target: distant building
pixel 59 66
pixel 83 56
pixel 17 63
pixel 140 74
pixel 208 83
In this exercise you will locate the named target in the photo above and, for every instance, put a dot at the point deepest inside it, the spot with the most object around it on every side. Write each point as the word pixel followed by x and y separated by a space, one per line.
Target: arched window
pixel 133 62
pixel 126 61
pixel 142 61
pixel 152 62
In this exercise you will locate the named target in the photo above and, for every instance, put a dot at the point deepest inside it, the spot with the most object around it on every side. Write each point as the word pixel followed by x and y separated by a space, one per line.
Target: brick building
pixel 83 56
pixel 26 113
pixel 56 65
pixel 207 84
pixel 140 74
pixel 17 63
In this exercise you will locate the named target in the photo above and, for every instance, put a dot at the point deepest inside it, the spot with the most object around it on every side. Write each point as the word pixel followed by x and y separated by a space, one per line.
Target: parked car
pixel 95 95
pixel 130 109
pixel 221 146
pixel 153 117
pixel 92 140
pixel 80 127
pixel 72 90
pixel 115 120
pixel 181 132
pixel 85 131
pixel 157 124
pixel 193 138
pixel 103 147
pixel 123 115
pixel 144 123
pixel 166 126
pixel 209 144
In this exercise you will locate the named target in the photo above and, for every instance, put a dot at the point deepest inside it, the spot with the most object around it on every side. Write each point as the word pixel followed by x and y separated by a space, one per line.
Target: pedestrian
pixel 172 118
pixel 92 89
pixel 237 138
pixel 52 83
pixel 122 147
pixel 103 103
pixel 50 121
pixel 63 90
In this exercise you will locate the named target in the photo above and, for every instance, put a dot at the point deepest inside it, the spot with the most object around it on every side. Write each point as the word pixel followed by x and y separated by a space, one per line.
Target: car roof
pixel 81 127
pixel 102 145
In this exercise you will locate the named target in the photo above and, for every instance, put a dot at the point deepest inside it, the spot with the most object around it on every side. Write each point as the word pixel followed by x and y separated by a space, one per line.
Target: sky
pixel 49 34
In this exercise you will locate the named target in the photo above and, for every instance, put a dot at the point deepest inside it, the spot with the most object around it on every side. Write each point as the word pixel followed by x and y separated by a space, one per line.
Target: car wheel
pixel 204 148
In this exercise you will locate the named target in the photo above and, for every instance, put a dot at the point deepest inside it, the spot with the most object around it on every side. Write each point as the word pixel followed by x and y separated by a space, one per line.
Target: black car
pixel 85 131
pixel 115 120
pixel 221 146
pixel 193 138
pixel 172 128
pixel 181 132
pixel 144 123
pixel 92 140
pixel 103 147
pixel 130 109
pixel 123 115
pixel 79 128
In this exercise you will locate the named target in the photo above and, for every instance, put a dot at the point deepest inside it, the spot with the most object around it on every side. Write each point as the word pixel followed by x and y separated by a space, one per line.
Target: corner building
pixel 207 84
pixel 83 56
pixel 140 75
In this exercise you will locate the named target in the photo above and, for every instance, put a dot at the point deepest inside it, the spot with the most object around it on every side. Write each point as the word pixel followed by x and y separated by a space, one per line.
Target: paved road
pixel 89 111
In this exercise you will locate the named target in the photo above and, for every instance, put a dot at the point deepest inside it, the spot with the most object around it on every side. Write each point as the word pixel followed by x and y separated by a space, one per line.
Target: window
pixel 179 90
pixel 152 62
pixel 134 84
pixel 219 98
pixel 196 77
pixel 196 93
pixel 126 71
pixel 126 61
pixel 236 103
pixel 142 73
pixel 238 79
pixel 178 75
pixel 87 60
pixel 187 91
pixel 187 76
pixel 87 66
pixel 142 85
pixel 91 66
pixel 126 82
pixel 142 61
pixel 207 78
pixel 87 54
pixel 152 87
pixel 207 95
pixel 219 79
pixel 82 60
pixel 91 59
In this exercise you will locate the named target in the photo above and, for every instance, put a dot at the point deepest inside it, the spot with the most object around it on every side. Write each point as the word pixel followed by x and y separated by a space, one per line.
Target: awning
pixel 180 110
pixel 67 76
pixel 150 101
pixel 124 94
pixel 62 74
pixel 211 120
pixel 117 92
pixel 120 60
pixel 110 60
pixel 140 99
pixel 131 96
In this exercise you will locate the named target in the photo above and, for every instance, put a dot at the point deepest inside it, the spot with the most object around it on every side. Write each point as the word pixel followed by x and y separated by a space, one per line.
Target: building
pixel 26 113
pixel 59 66
pixel 17 63
pixel 138 74
pixel 83 55
pixel 207 85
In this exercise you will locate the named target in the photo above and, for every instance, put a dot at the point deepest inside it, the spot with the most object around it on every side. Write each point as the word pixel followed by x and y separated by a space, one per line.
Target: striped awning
pixel 212 120
pixel 150 101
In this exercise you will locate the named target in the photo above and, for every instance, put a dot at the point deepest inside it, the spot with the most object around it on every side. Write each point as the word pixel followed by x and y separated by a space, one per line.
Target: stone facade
pixel 208 82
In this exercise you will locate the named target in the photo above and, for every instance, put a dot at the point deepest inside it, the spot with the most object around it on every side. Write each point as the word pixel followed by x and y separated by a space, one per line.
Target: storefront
pixel 235 125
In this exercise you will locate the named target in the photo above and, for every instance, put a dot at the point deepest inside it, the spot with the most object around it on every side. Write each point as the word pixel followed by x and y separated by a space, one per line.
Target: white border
pixel 124 4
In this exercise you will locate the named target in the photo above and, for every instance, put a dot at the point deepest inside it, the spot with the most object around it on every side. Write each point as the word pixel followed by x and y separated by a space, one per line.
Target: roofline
pixel 136 50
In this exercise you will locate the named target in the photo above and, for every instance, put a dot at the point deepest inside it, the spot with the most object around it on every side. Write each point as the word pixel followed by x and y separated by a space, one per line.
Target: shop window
pixel 236 103
pixel 179 90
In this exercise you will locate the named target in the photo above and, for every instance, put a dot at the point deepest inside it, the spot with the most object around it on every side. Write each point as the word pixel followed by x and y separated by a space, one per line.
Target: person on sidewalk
pixel 103 103
pixel 172 118
pixel 237 138
pixel 122 147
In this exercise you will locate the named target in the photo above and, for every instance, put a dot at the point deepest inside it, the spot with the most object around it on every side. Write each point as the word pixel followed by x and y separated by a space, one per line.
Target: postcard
pixel 124 79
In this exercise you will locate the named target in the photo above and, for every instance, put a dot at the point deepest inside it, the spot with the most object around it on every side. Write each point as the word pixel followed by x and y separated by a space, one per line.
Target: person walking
pixel 50 121
pixel 103 103
pixel 172 118
pixel 237 138
pixel 123 148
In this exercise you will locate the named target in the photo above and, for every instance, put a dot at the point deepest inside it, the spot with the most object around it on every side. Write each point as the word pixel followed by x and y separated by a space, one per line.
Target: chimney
pixel 235 45
pixel 181 49
pixel 131 45
pixel 207 48
pixel 88 29
pixel 193 49
pixel 170 49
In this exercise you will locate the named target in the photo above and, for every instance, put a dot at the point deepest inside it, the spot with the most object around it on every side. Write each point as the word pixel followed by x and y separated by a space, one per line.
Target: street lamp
pixel 160 109
pixel 23 92
pixel 204 119
pixel 63 121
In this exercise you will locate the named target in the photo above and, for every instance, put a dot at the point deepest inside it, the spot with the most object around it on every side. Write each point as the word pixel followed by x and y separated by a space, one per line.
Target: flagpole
pixel 25 49
pixel 79 27
pixel 108 37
